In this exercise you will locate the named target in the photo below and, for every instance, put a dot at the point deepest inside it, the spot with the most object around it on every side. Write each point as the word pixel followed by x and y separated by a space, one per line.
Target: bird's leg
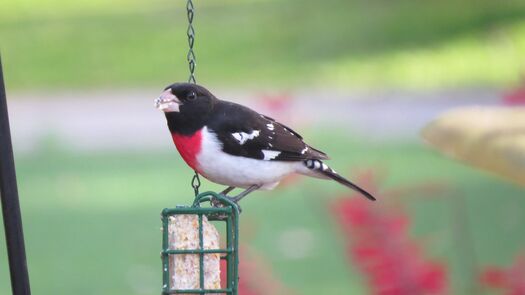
pixel 227 190
pixel 224 193
pixel 239 197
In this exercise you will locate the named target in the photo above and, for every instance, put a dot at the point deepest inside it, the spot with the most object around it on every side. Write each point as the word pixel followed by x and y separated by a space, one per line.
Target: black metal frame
pixel 14 233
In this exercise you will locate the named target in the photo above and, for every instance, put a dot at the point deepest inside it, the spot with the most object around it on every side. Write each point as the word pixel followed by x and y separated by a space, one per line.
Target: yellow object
pixel 492 138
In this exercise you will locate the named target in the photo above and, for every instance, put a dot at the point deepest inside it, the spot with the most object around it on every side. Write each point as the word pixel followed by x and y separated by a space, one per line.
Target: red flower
pixel 493 277
pixel 277 103
pixel 511 280
pixel 379 244
pixel 515 96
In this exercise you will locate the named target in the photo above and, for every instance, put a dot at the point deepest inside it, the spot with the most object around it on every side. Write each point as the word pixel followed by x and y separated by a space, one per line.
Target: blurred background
pixel 358 79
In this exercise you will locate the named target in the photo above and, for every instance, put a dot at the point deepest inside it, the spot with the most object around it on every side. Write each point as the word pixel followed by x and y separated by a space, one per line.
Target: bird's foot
pixel 236 199
pixel 214 202
pixel 218 204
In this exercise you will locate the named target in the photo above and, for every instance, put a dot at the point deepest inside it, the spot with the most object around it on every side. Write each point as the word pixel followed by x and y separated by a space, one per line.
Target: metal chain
pixel 191 40
pixel 195 181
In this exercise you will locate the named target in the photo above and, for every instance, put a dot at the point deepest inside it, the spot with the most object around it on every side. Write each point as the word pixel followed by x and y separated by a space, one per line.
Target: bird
pixel 233 145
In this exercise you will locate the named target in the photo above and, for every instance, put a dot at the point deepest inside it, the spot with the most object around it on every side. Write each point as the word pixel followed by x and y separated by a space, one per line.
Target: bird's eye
pixel 191 96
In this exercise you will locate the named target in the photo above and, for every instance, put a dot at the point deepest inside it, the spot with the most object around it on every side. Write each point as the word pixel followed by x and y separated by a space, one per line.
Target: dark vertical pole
pixel 14 234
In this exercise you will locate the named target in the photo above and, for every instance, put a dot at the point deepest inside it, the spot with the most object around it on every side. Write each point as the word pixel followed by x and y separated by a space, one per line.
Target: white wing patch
pixel 270 155
pixel 242 137
pixel 304 150
pixel 270 126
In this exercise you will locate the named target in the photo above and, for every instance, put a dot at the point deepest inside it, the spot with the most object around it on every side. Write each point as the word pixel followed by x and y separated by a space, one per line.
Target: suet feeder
pixel 191 253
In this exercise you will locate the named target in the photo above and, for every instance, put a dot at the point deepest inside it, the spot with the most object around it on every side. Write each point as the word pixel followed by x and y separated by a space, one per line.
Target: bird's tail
pixel 317 168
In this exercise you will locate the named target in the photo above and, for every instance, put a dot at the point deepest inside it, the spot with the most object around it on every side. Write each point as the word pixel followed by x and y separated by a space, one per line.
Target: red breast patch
pixel 189 146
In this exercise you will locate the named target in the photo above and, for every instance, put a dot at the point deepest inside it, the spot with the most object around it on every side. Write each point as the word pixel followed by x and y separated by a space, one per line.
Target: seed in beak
pixel 167 102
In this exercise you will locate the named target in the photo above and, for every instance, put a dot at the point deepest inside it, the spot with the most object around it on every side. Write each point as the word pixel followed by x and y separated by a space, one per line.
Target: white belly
pixel 222 168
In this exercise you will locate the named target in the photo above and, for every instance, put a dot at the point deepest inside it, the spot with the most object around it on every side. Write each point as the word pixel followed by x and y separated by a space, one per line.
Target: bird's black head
pixel 186 105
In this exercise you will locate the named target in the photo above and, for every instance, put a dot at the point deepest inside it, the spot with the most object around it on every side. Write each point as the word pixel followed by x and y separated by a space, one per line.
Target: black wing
pixel 244 132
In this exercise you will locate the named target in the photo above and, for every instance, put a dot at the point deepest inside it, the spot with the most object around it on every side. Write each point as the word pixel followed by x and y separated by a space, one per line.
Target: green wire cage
pixel 227 212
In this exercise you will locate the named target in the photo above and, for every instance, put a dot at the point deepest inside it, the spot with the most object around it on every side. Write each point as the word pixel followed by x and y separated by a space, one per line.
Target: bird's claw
pixel 218 204
pixel 214 202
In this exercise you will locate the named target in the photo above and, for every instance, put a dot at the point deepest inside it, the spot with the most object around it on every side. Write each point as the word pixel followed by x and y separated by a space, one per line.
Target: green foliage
pixel 402 43
pixel 92 220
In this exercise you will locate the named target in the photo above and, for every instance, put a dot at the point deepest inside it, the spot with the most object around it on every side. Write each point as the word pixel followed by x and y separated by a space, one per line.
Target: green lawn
pixel 340 43
pixel 92 220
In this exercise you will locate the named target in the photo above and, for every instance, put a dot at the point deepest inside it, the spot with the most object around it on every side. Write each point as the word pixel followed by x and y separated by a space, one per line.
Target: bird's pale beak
pixel 167 102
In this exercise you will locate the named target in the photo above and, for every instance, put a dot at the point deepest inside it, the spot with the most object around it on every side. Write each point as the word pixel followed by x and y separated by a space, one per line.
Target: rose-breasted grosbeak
pixel 230 144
